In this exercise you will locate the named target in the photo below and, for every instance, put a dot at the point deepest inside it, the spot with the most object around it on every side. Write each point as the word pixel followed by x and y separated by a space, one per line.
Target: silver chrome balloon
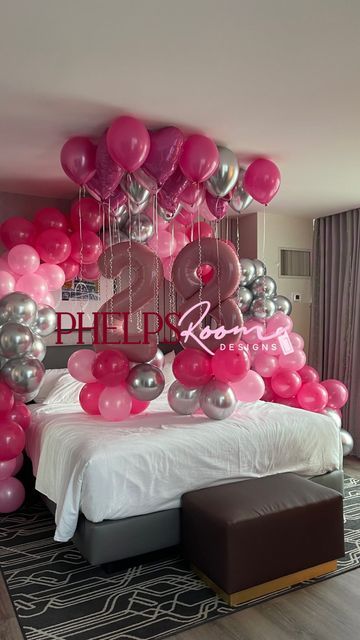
pixel 347 442
pixel 247 272
pixel 264 286
pixel 45 322
pixel 244 298
pixel 240 199
pixel 333 415
pixel 158 360
pixel 217 400
pixel 226 175
pixel 262 308
pixel 140 228
pixel 15 340
pixel 168 216
pixel 120 215
pixel 26 397
pixel 38 349
pixel 137 208
pixel 260 268
pixel 145 382
pixel 136 191
pixel 283 304
pixel 23 375
pixel 183 400
pixel 17 307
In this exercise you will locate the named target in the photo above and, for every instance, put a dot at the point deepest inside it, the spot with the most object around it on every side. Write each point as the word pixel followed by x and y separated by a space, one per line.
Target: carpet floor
pixel 57 595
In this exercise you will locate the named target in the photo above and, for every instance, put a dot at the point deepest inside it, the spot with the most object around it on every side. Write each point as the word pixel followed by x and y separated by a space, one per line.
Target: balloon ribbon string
pixel 130 263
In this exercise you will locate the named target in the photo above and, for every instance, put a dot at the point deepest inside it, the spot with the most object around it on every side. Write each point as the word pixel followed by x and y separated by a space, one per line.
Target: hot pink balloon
pixel 268 395
pixel 266 364
pixel 231 365
pixel 199 158
pixel 17 230
pixel 53 274
pixel 35 286
pixel 192 368
pixel 297 341
pixel 262 180
pixel 338 393
pixel 192 196
pixel 309 374
pixel 89 397
pixel 12 495
pixel 50 218
pixel 218 207
pixel 7 468
pixel 23 259
pixel 277 321
pixel 165 149
pixel 86 247
pixel 70 268
pixel 163 244
pixel 128 142
pixel 288 402
pixel 250 388
pixel 293 361
pixel 12 439
pixel 78 159
pixel 88 212
pixel 20 414
pixel 110 367
pixel 200 228
pixel 7 283
pixel 313 396
pixel 205 273
pixel 80 365
pixel 19 461
pixel 115 403
pixel 108 173
pixel 90 271
pixel 181 240
pixel 53 246
pixel 184 218
pixel 6 399
pixel 286 383
pixel 138 406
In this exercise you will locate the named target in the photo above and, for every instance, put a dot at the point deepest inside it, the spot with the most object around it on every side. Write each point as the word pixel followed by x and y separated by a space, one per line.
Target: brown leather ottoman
pixel 249 538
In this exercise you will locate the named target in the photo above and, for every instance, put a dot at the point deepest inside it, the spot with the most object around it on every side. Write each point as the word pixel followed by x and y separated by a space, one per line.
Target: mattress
pixel 117 470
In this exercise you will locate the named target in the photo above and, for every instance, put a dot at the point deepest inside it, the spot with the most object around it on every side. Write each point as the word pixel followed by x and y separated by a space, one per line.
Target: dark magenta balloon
pixel 111 368
pixel 12 439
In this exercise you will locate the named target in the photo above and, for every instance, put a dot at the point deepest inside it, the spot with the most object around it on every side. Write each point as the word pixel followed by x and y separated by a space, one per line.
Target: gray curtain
pixel 335 312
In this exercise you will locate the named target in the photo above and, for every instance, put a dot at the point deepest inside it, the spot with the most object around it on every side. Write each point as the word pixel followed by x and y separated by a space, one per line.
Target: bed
pixel 115 489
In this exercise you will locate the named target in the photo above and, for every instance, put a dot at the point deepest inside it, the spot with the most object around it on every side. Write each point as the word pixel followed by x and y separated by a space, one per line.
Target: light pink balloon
pixel 115 403
pixel 250 388
pixel 47 299
pixel 293 361
pixel 23 259
pixel 164 245
pixel 279 319
pixel 32 284
pixel 266 364
pixel 7 283
pixel 252 331
pixel 53 274
pixel 80 365
pixel 297 341
pixel 12 495
pixel 7 468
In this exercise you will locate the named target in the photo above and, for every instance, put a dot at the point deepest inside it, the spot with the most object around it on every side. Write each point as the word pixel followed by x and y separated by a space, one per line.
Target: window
pixel 295 263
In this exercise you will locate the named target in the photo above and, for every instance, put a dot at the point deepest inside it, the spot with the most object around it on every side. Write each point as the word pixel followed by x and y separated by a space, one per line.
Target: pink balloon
pixel 53 246
pixel 192 368
pixel 277 321
pixel 71 269
pixel 86 247
pixel 51 218
pixel 138 406
pixel 205 230
pixel 218 207
pixel 338 393
pixel 128 142
pixel 17 230
pixel 312 396
pixel 199 158
pixel 163 244
pixel 12 495
pixel 271 346
pixel 184 218
pixel 88 211
pixel 80 365
pixel 7 283
pixel 262 180
pixel 165 149
pixel 78 159
pixel 115 403
pixel 286 383
pixel 288 402
pixel 205 273
pixel 20 414
pixel 266 364
pixel 47 299
pixel 192 196
pixel 250 388
pixel 110 367
pixel 12 439
pixel 297 341
pixel 170 194
pixel 181 240
pixel 53 274
pixel 90 271
pixel 108 174
pixel 231 365
pixel 252 331
pixel 23 259
pixel 293 361
pixel 309 374
pixel 32 284
pixel 268 395
pixel 89 397
pixel 7 468
pixel 19 461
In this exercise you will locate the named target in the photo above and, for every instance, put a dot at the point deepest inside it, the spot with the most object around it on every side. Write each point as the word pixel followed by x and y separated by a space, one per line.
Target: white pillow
pixel 65 391
pixel 50 378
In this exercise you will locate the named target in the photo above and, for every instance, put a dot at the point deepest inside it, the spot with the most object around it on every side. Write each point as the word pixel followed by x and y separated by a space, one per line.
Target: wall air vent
pixel 295 263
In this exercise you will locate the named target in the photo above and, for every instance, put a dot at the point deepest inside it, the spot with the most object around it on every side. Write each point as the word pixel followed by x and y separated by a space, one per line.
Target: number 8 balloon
pixel 223 284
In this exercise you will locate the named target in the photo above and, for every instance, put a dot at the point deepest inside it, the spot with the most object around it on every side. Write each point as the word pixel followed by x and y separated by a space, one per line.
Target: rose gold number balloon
pixel 223 284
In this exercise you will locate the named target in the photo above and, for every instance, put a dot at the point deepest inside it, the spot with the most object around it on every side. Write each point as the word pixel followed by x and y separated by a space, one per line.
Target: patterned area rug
pixel 59 596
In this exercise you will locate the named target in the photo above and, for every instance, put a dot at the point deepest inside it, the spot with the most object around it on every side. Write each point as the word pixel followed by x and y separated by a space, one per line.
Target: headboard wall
pixel 57 357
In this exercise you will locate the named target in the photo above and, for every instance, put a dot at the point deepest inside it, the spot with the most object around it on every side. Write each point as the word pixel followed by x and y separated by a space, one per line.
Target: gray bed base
pixel 113 540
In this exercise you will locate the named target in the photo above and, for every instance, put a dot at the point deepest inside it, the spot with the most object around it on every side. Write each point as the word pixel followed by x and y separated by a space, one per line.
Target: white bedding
pixel 111 471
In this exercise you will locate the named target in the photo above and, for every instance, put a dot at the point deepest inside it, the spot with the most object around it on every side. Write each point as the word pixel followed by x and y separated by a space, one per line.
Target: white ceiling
pixel 274 77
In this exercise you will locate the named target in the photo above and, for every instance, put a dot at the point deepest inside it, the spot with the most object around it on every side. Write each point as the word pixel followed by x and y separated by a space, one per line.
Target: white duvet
pixel 111 471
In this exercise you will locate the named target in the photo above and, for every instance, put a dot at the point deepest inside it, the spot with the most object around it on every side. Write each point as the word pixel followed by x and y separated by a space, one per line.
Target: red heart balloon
pixel 165 149
pixel 217 206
